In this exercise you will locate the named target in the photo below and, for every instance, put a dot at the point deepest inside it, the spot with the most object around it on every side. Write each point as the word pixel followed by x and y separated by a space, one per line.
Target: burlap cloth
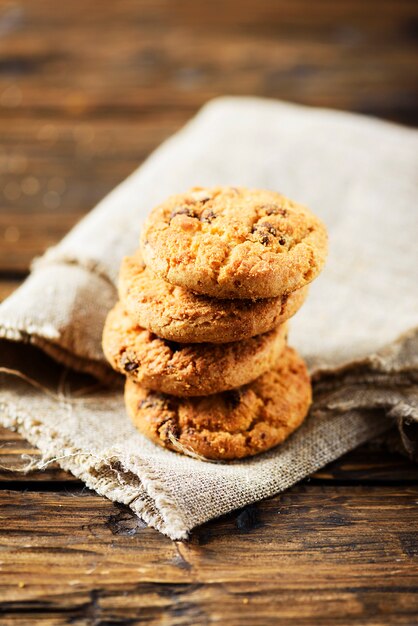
pixel 355 330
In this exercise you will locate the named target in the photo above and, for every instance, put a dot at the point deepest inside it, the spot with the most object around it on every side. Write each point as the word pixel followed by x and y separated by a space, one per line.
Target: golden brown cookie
pixel 230 242
pixel 178 314
pixel 187 370
pixel 229 425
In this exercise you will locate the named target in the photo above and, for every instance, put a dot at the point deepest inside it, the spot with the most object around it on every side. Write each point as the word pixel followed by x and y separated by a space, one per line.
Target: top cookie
pixel 231 242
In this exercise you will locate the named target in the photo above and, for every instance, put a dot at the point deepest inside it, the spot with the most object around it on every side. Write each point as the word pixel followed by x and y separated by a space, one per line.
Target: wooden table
pixel 87 89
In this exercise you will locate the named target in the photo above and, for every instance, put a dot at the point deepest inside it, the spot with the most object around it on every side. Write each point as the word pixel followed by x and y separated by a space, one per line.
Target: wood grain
pixel 314 544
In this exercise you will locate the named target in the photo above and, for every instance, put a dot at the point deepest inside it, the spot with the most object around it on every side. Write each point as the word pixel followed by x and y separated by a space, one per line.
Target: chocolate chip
pixel 270 209
pixel 269 227
pixel 274 209
pixel 265 226
pixel 128 365
pixel 233 398
pixel 282 241
pixel 208 216
pixel 154 401
pixel 183 210
pixel 263 230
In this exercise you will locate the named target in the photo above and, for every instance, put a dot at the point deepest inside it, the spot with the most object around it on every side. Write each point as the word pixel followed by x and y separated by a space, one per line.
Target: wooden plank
pixel 192 52
pixel 241 604
pixel 24 239
pixel 49 168
pixel 324 555
pixel 16 454
pixel 153 58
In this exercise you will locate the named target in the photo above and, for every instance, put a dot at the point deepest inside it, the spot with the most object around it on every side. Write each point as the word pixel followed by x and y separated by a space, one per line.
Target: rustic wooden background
pixel 87 89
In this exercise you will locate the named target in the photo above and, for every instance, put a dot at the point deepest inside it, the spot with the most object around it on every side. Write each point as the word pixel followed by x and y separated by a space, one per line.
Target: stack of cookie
pixel 200 329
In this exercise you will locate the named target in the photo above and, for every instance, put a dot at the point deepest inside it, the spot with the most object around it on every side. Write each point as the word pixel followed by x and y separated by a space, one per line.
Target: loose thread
pixel 41 464
pixel 66 402
pixel 188 451
pixel 59 397
pixel 30 381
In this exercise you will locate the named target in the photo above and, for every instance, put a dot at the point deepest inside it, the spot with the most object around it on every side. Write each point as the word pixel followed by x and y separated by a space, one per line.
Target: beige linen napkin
pixel 357 329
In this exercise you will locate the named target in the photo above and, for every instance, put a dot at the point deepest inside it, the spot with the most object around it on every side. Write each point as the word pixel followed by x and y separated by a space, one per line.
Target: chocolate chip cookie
pixel 177 314
pixel 230 242
pixel 187 370
pixel 229 425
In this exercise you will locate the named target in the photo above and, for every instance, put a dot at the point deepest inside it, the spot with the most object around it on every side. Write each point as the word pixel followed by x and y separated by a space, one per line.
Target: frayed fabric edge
pixel 108 474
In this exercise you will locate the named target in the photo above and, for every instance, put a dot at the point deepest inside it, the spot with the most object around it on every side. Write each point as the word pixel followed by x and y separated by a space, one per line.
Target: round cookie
pixel 230 242
pixel 187 370
pixel 229 425
pixel 178 314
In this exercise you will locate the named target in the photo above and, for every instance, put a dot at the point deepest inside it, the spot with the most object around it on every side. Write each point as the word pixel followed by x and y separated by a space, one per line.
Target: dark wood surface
pixel 87 90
